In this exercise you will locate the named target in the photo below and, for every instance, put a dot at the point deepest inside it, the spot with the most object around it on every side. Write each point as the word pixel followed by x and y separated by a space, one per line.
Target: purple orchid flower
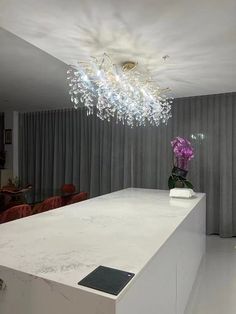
pixel 183 152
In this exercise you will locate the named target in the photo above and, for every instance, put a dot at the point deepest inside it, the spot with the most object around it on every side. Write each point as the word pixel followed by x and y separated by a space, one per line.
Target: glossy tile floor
pixel 215 289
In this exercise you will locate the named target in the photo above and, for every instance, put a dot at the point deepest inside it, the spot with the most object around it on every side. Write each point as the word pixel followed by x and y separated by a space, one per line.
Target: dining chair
pixel 15 212
pixel 82 196
pixel 48 204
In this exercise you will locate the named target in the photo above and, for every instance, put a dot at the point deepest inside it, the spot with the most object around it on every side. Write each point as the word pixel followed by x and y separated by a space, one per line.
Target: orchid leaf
pixel 171 182
pixel 188 184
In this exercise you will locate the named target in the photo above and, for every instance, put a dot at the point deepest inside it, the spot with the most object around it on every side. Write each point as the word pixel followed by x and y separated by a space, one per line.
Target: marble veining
pixel 123 230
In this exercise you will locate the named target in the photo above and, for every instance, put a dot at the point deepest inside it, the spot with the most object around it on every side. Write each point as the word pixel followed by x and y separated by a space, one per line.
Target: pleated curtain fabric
pixel 65 146
pixel 209 123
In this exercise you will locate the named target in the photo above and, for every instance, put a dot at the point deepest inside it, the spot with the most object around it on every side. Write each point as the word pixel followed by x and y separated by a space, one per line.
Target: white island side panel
pixel 165 283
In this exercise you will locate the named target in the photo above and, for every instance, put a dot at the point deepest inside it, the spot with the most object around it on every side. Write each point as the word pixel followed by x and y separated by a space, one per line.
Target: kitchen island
pixel 141 231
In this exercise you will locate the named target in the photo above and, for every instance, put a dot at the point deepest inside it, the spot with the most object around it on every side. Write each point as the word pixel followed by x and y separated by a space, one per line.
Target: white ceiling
pixel 199 36
pixel 30 79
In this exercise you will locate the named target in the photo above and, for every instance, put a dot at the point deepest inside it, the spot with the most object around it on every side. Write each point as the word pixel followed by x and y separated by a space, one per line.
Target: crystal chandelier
pixel 118 91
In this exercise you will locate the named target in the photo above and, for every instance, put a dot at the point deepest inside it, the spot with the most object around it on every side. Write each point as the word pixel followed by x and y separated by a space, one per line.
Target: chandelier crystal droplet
pixel 112 91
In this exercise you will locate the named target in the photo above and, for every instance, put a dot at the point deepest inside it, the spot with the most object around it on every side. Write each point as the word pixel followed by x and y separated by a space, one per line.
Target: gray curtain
pixel 99 157
pixel 208 122
pixel 1 131
pixel 67 146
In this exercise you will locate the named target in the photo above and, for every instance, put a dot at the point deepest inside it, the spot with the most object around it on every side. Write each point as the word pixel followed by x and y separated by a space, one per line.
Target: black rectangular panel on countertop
pixel 107 279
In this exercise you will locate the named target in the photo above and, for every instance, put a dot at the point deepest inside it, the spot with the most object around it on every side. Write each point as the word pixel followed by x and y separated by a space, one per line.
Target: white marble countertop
pixel 122 230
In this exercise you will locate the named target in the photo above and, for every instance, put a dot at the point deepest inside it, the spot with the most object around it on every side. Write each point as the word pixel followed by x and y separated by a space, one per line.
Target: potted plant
pixel 183 152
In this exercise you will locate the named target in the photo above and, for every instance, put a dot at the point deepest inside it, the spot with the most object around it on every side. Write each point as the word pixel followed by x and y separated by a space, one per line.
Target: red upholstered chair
pixel 68 188
pixel 82 196
pixel 15 212
pixel 50 203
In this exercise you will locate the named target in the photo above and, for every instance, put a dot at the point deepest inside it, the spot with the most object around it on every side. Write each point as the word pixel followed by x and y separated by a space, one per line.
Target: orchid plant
pixel 183 153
